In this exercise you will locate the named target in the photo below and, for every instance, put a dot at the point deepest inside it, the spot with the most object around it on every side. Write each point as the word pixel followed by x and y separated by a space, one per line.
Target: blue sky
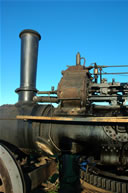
pixel 97 29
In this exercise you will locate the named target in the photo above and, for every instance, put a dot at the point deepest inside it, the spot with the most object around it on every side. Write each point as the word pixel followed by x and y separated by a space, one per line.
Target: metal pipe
pixel 46 99
pixel 107 73
pixel 29 53
pixel 78 59
pixel 112 66
pixel 47 92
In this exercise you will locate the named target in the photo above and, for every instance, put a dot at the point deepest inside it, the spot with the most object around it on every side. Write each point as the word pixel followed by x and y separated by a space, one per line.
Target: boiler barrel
pixel 20 132
pixel 74 138
pixel 66 137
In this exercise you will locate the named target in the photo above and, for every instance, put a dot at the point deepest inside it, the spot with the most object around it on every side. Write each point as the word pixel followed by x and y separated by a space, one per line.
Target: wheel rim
pixel 5 181
pixel 11 177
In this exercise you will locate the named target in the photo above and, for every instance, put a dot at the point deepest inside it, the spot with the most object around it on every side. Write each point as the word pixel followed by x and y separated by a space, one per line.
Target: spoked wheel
pixel 11 176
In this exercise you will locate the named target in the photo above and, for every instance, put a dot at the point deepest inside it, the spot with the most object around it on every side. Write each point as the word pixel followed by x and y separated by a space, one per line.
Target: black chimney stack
pixel 29 54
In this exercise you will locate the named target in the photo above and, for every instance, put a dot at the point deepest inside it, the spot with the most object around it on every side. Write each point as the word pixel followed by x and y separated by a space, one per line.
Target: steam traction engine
pixel 78 130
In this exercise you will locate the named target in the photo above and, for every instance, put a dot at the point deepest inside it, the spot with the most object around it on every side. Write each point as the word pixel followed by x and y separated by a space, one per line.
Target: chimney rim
pixel 30 31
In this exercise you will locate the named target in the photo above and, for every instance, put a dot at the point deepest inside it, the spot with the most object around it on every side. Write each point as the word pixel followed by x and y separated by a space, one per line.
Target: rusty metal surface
pixel 46 99
pixel 73 85
pixel 42 173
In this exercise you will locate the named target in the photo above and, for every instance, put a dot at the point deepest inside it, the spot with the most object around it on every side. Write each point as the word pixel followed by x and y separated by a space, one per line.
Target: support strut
pixel 69 174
